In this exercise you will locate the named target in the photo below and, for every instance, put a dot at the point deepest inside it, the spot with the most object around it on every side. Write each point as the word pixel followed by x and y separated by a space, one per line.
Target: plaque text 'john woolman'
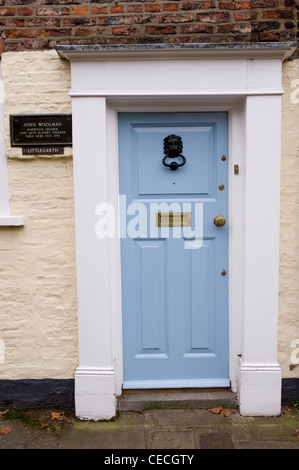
pixel 41 129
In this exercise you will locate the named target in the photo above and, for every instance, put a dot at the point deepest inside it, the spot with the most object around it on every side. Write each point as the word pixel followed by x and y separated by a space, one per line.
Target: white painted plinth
pixel 94 393
pixel 260 390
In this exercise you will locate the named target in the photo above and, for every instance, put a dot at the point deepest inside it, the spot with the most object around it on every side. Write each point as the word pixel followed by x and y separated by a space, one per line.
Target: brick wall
pixel 42 24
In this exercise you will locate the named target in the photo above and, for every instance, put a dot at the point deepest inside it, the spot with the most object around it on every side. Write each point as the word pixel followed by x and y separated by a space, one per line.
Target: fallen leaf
pixel 296 433
pixel 224 412
pixel 5 429
pixel 227 412
pixel 216 410
pixel 44 425
pixel 56 415
pixel 2 413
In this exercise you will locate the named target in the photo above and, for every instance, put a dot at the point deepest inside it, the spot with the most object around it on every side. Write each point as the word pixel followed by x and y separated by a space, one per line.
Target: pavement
pixel 174 430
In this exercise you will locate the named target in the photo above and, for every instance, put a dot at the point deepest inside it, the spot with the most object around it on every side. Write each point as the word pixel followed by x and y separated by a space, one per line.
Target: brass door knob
pixel 219 220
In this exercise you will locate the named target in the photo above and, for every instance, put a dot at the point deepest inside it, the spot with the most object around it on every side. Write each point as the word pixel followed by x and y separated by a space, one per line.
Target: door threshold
pixel 175 390
pixel 178 384
pixel 203 398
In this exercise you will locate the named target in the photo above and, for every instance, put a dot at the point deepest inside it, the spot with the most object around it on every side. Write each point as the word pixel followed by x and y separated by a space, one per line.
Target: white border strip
pixel 176 93
pixel 6 220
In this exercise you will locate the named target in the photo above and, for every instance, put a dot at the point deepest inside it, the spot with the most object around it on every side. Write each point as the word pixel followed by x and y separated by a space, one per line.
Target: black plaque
pixel 41 129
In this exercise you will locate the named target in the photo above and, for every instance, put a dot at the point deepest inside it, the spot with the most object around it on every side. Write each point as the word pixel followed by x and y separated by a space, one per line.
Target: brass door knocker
pixel 173 146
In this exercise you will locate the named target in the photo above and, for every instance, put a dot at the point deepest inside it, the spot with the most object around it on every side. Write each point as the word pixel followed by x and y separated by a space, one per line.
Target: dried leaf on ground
pixel 5 429
pixel 227 412
pixel 224 412
pixel 216 410
pixel 296 433
pixel 2 413
pixel 57 415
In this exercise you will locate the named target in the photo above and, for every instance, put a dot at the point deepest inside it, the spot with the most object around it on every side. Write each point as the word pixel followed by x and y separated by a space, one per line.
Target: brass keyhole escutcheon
pixel 219 221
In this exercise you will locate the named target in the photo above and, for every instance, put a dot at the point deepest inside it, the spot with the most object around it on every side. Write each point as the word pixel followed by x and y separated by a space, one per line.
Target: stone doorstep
pixel 141 400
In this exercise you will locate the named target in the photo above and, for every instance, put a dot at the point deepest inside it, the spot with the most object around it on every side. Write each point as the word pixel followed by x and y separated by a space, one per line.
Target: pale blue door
pixel 174 275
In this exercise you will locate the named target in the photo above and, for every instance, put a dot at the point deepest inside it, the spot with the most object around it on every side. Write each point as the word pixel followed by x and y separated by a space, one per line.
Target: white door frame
pixel 246 82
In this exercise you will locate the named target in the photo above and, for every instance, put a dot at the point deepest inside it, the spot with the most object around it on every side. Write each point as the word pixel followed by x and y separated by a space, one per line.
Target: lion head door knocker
pixel 173 147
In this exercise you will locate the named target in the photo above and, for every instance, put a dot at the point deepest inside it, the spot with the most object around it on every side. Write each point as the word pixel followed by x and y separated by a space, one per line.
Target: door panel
pixel 199 308
pixel 198 177
pixel 174 295
pixel 152 292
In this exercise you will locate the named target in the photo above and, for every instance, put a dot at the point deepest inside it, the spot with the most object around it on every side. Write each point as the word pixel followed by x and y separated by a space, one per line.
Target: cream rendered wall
pixel 37 262
pixel 289 234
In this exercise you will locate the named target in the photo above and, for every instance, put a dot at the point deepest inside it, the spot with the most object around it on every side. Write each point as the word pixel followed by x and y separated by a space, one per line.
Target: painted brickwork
pixel 38 300
pixel 42 24
pixel 289 239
